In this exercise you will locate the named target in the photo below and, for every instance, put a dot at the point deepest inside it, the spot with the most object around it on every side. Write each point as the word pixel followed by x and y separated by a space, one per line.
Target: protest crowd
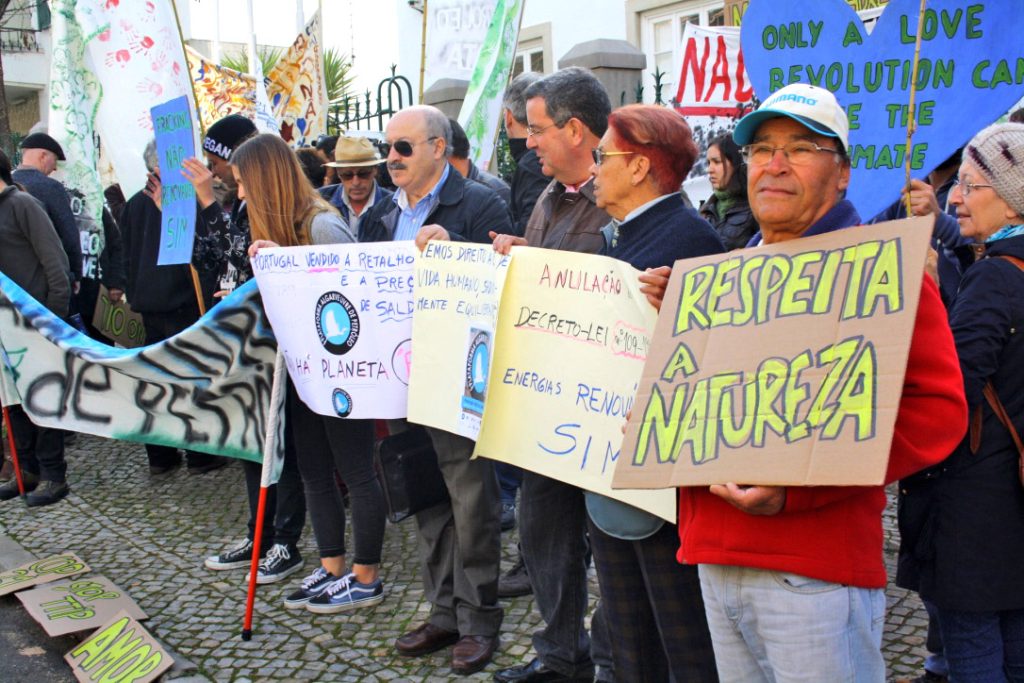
pixel 751 582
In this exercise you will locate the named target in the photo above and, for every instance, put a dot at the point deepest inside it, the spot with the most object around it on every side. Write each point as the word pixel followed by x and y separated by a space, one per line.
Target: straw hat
pixel 354 152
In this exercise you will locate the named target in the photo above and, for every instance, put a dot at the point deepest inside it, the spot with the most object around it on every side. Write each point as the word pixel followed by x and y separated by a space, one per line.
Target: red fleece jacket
pixel 834 533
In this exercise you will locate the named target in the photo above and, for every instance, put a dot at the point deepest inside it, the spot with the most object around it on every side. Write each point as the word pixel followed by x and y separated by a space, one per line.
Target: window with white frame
pixel 661 39
pixel 528 60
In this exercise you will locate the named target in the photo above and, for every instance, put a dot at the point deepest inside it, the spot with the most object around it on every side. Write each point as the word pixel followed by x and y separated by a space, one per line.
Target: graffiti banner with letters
pixel 781 364
pixel 79 604
pixel 220 91
pixel 458 287
pixel 297 87
pixel 205 389
pixel 122 646
pixel 573 331
pixel 456 30
pixel 343 318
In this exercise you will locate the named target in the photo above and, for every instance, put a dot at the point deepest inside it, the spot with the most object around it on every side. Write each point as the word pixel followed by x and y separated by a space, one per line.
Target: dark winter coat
pixel 735 227
pixel 663 233
pixel 963 522
pixel 57 202
pixel 528 184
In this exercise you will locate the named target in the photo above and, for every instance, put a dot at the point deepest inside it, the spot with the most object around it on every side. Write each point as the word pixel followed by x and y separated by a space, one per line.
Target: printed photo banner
pixel 573 331
pixel 121 650
pixel 205 389
pixel 971 72
pixel 481 111
pixel 175 142
pixel 40 571
pixel 781 364
pixel 297 87
pixel 458 288
pixel 80 604
pixel 343 318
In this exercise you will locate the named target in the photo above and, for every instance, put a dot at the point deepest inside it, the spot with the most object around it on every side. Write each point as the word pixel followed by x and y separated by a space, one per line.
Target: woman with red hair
pixel 653 605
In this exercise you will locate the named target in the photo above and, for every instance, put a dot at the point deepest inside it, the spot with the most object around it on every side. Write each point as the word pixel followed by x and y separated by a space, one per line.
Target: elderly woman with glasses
pixel 967 518
pixel 652 603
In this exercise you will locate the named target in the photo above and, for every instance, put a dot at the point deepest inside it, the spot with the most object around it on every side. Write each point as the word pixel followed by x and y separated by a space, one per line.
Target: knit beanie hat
pixel 998 153
pixel 224 136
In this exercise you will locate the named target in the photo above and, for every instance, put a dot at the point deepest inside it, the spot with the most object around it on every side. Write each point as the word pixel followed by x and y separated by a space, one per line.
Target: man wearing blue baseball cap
pixel 793 577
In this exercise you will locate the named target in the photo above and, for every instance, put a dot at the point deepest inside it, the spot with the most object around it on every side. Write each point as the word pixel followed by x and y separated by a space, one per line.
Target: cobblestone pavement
pixel 150 536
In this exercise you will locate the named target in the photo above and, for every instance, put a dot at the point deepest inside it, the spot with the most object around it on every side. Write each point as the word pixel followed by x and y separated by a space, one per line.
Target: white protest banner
pixel 458 287
pixel 712 80
pixel 573 332
pixel 342 314
pixel 121 650
pixel 77 604
pixel 456 30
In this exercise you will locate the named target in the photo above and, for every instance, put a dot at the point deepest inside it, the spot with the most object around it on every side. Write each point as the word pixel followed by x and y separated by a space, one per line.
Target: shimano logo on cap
pixel 789 97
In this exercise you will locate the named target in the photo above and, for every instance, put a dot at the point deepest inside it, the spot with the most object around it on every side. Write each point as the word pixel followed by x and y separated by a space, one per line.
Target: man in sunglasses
pixel 460 541
pixel 355 164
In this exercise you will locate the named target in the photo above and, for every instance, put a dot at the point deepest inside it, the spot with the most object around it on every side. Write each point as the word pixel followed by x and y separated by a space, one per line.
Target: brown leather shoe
pixel 424 639
pixel 472 653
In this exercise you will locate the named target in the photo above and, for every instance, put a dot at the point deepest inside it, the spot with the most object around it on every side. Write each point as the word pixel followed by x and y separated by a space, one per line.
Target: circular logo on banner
pixel 337 323
pixel 478 363
pixel 342 403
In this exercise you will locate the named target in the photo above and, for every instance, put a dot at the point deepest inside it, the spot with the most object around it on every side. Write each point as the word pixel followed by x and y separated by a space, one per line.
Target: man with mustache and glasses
pixel 355 163
pixel 460 541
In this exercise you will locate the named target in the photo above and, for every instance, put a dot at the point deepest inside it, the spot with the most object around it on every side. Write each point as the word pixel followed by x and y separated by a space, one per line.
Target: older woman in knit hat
pixel 969 538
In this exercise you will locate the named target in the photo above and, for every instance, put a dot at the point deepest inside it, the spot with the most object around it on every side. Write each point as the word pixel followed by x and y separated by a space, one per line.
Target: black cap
pixel 225 135
pixel 43 141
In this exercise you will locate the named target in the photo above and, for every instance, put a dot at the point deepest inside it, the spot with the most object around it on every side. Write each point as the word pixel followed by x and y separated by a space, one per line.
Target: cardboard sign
pixel 41 571
pixel 117 321
pixel 781 364
pixel 342 314
pixel 172 123
pixel 77 604
pixel 458 288
pixel 970 73
pixel 122 650
pixel 573 331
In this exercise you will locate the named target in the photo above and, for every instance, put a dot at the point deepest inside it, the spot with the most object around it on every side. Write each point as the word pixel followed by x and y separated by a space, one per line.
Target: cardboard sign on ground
pixel 40 571
pixel 117 321
pixel 78 604
pixel 120 651
pixel 781 364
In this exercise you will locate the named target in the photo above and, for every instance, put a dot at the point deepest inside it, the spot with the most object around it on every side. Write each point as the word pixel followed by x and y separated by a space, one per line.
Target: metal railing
pixel 359 112
pixel 19 40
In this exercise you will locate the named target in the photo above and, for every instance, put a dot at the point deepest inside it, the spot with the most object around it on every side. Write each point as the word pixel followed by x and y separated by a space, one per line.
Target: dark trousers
pixel 285 512
pixel 552 534
pixel 40 449
pixel 324 445
pixel 161 326
pixel 654 607
pixel 510 478
pixel 460 542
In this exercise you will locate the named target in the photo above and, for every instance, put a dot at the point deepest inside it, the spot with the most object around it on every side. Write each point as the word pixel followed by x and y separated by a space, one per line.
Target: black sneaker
pixel 281 561
pixel 47 493
pixel 235 557
pixel 9 489
pixel 312 586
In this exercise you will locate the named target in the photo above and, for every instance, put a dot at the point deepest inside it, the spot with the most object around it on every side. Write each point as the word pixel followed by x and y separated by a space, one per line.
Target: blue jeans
pixel 510 478
pixel 780 627
pixel 983 647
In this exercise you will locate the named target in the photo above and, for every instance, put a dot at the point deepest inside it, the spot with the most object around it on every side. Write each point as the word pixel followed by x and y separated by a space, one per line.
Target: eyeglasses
pixel 797 153
pixel 363 173
pixel 535 132
pixel 599 155
pixel 403 147
pixel 967 188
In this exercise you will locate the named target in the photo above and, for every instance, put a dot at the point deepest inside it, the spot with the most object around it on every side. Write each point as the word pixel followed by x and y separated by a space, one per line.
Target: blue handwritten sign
pixel 971 72
pixel 172 124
